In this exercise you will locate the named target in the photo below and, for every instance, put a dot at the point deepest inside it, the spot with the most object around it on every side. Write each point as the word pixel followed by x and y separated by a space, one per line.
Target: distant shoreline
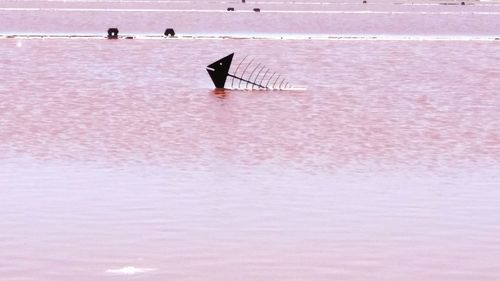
pixel 261 37
pixel 423 20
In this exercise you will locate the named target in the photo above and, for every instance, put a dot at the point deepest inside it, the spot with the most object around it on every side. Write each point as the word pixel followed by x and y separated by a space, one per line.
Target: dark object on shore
pixel 256 10
pixel 113 33
pixel 463 3
pixel 364 2
pixel 242 1
pixel 169 32
pixel 129 37
pixel 219 71
pixel 230 9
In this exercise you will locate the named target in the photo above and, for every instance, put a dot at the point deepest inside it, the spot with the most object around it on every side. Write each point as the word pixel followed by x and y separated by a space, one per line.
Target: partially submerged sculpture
pixel 264 78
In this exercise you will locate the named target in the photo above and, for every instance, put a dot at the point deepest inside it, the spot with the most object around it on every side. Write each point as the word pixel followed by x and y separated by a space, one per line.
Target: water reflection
pixel 220 93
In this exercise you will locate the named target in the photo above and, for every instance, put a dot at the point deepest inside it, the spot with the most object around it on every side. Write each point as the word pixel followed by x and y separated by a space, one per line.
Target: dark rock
pixel 169 32
pixel 113 33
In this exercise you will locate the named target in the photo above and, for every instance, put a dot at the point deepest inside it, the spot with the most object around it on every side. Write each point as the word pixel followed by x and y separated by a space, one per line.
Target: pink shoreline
pixel 191 18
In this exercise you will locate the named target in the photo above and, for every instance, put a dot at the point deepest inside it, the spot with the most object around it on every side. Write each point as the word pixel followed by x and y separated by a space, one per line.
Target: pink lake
pixel 118 160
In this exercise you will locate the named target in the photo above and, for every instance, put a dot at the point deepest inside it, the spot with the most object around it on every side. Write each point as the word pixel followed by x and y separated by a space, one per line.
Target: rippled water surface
pixel 119 162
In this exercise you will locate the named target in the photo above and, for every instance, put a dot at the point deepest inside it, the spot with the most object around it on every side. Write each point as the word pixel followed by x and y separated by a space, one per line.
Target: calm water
pixel 119 162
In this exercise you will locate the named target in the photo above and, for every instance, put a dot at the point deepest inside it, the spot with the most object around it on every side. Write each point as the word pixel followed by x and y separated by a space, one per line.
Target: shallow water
pixel 119 162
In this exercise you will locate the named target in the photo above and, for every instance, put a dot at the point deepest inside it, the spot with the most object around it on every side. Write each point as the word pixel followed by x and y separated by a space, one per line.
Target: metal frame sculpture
pixel 219 72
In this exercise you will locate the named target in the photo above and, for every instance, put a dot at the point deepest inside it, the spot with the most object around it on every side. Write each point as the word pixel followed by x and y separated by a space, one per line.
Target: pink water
pixel 119 162
pixel 278 18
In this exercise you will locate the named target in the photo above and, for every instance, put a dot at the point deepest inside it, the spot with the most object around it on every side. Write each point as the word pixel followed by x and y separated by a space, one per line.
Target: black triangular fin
pixel 219 70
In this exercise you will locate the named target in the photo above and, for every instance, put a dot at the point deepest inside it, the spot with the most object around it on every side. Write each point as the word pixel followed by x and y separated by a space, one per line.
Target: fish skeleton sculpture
pixel 258 78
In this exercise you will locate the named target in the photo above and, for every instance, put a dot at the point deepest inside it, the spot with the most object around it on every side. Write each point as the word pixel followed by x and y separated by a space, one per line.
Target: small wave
pixel 129 270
